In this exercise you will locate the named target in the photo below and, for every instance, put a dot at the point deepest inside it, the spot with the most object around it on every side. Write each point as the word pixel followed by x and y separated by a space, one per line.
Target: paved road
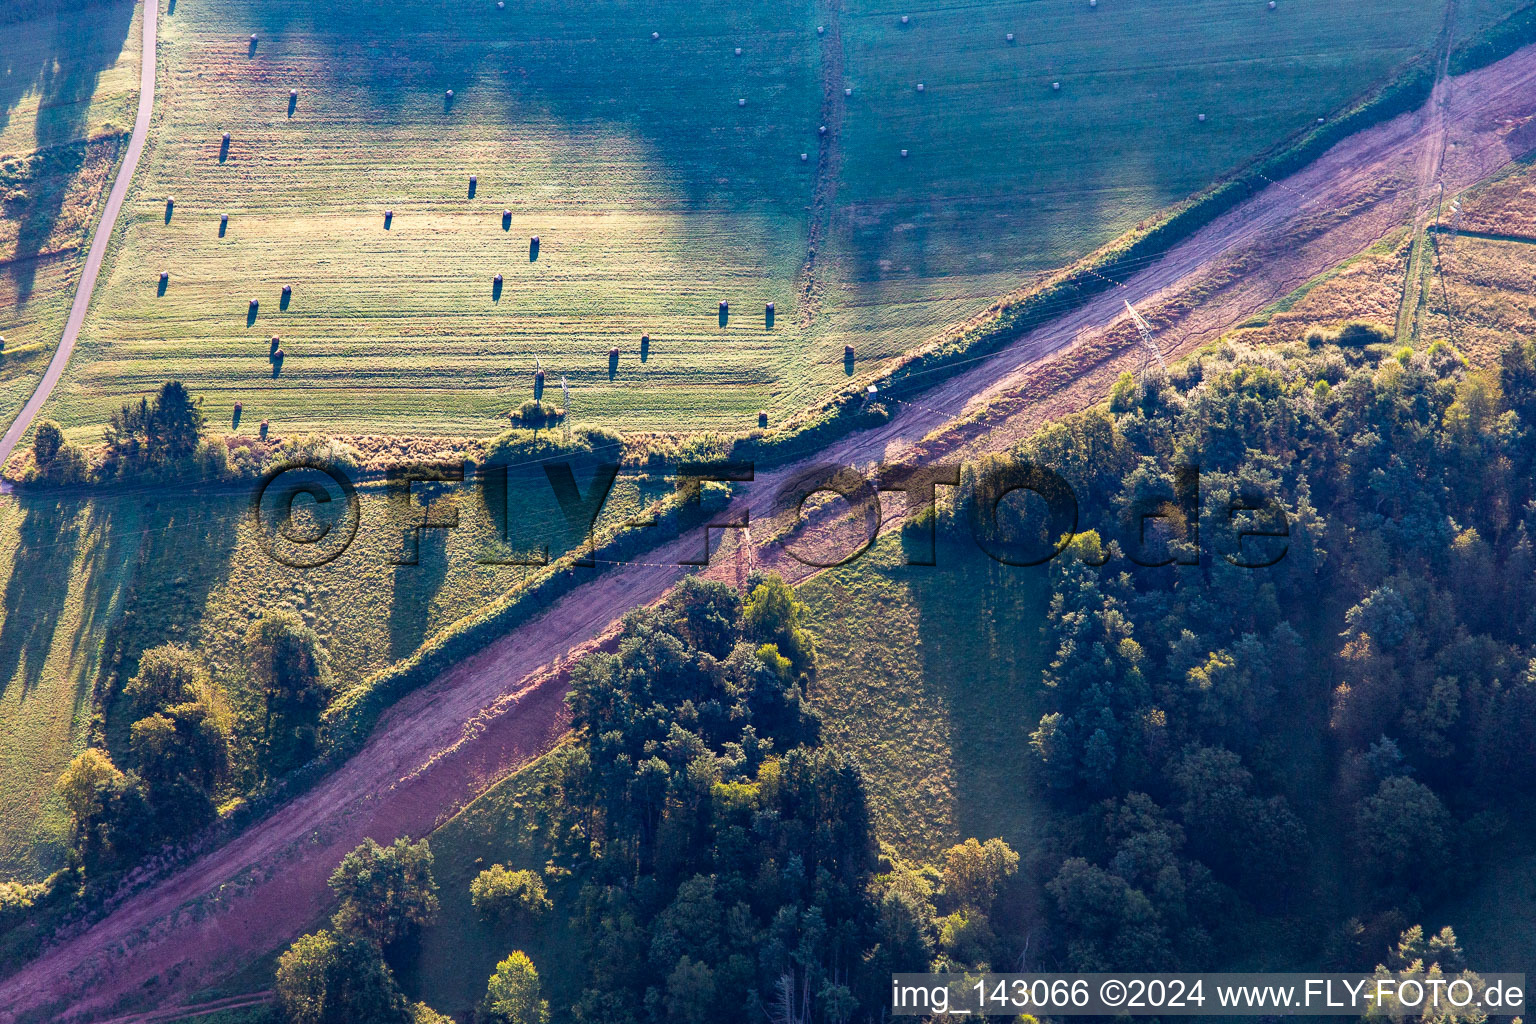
pixel 99 242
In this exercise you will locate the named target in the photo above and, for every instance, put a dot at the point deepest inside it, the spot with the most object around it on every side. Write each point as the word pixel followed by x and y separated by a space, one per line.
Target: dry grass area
pixel 1504 206
pixel 1485 296
pixel 1367 287
pixel 1484 290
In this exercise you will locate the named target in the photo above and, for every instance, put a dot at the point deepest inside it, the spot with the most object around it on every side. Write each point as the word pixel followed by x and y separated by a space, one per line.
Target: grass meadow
pixel 90 584
pixel 930 675
pixel 655 193
pixel 69 82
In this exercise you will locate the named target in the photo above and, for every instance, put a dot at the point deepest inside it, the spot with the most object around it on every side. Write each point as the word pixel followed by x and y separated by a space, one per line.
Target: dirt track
pixel 440 745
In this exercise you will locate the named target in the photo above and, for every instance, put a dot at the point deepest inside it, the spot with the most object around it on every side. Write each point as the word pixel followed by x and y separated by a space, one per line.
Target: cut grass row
pixel 655 194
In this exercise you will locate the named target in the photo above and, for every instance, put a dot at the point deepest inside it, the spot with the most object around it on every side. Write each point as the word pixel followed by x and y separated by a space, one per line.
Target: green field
pixel 88 585
pixel 655 195
pixel 69 78
pixel 931 676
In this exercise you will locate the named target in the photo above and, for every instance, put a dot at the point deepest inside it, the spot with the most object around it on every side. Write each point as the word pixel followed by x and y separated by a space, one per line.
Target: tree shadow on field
pixel 410 609
pixel 38 586
pixel 58 50
pixel 591 66
pixel 979 633
pixel 189 542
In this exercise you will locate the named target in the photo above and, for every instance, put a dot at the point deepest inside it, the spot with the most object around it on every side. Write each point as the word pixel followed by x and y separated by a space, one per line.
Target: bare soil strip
pixel 441 745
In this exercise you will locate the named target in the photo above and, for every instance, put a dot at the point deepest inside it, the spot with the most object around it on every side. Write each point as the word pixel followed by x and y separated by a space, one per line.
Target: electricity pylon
pixel 1149 349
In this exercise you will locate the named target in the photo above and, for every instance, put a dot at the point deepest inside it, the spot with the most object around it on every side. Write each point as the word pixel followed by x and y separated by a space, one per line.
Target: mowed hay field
pixel 69 78
pixel 89 584
pixel 655 193
pixel 1006 177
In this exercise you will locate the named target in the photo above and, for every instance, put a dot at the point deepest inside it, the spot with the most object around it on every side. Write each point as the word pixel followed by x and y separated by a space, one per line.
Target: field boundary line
pixel 99 240
pixel 1485 236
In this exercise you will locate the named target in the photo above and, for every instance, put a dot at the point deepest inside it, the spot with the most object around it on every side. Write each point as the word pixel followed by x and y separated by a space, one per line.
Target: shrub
pixel 500 892
pixel 168 674
pixel 16 899
pixel 512 994
pixel 108 817
pixel 213 459
pixel 326 978
pixel 385 891
pixel 313 449
pixel 68 466
pixel 535 414
pixel 46 442
pixel 1122 394
pixel 1360 333
pixel 290 669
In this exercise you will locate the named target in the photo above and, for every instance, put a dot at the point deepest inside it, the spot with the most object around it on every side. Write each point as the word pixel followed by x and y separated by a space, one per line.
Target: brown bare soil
pixel 503 706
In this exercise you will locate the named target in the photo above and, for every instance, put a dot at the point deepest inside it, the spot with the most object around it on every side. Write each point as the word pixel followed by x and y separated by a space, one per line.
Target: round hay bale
pixel 263 430
pixel 741 103
pixel 822 130
pixel 165 277
pixel 223 218
pixel 388 214
pixel 1271 4
pixel 804 157
pixel 276 343
pixel 287 289
pixel 1008 37
pixel 655 36
pixel 501 5
pixel 239 408
pixel 848 90
pixel 762 418
pixel 496 279
pixel 253 38
pixel 905 20
pixel 725 307
pixel 1201 118
pixel 293 94
pixel 847 351
pixel 920 87
pixel 738 51
pixel 226 138
pixel 448 95
pixel 1320 120
pixel 821 29
pixel 1093 3
pixel 279 356
pixel 903 154
pixel 613 354
pixel 1056 87
pixel 473 180
pixel 253 304
pixel 538 375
